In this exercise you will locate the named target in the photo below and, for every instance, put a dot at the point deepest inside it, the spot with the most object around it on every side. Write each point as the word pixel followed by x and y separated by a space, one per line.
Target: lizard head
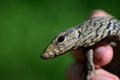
pixel 64 42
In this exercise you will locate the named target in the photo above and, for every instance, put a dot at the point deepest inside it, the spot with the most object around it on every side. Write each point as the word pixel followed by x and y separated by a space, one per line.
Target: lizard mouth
pixel 52 53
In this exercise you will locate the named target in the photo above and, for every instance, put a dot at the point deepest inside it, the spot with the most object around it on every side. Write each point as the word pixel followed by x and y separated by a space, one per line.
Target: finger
pixel 75 69
pixel 98 13
pixel 103 55
pixel 103 75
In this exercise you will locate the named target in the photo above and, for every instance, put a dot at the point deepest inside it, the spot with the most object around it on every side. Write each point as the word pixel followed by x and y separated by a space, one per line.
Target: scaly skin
pixel 84 35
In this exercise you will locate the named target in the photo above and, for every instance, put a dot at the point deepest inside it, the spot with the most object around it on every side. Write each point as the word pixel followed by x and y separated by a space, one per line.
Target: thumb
pixel 103 75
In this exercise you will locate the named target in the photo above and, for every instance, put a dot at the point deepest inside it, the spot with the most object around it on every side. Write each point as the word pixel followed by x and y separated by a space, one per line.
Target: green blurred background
pixel 28 26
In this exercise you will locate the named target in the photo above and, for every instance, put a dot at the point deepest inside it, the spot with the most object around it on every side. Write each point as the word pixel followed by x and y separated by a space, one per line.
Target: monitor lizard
pixel 85 35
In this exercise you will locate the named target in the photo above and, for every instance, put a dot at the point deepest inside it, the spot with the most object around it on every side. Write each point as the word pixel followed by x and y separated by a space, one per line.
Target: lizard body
pixel 84 35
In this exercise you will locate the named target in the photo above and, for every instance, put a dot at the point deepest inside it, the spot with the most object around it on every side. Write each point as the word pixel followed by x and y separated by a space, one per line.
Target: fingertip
pixel 99 13
pixel 103 55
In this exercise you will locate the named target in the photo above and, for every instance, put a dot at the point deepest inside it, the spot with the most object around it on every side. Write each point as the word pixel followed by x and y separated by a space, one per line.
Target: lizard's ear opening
pixel 61 39
pixel 77 34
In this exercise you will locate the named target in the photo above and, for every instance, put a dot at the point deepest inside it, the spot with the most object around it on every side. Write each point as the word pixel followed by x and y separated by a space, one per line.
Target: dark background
pixel 28 26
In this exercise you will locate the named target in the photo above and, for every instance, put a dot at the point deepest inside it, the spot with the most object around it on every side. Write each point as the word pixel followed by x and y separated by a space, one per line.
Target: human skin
pixel 103 55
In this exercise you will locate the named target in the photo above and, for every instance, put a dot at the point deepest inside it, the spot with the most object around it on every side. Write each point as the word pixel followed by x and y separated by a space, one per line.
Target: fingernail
pixel 104 78
pixel 100 51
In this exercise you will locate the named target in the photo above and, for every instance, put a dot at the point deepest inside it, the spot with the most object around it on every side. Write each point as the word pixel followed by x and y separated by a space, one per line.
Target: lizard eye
pixel 61 39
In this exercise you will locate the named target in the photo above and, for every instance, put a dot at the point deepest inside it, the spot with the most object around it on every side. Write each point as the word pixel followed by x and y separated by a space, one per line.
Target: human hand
pixel 103 55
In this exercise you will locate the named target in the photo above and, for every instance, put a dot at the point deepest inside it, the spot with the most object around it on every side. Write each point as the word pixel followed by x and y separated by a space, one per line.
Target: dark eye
pixel 61 39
